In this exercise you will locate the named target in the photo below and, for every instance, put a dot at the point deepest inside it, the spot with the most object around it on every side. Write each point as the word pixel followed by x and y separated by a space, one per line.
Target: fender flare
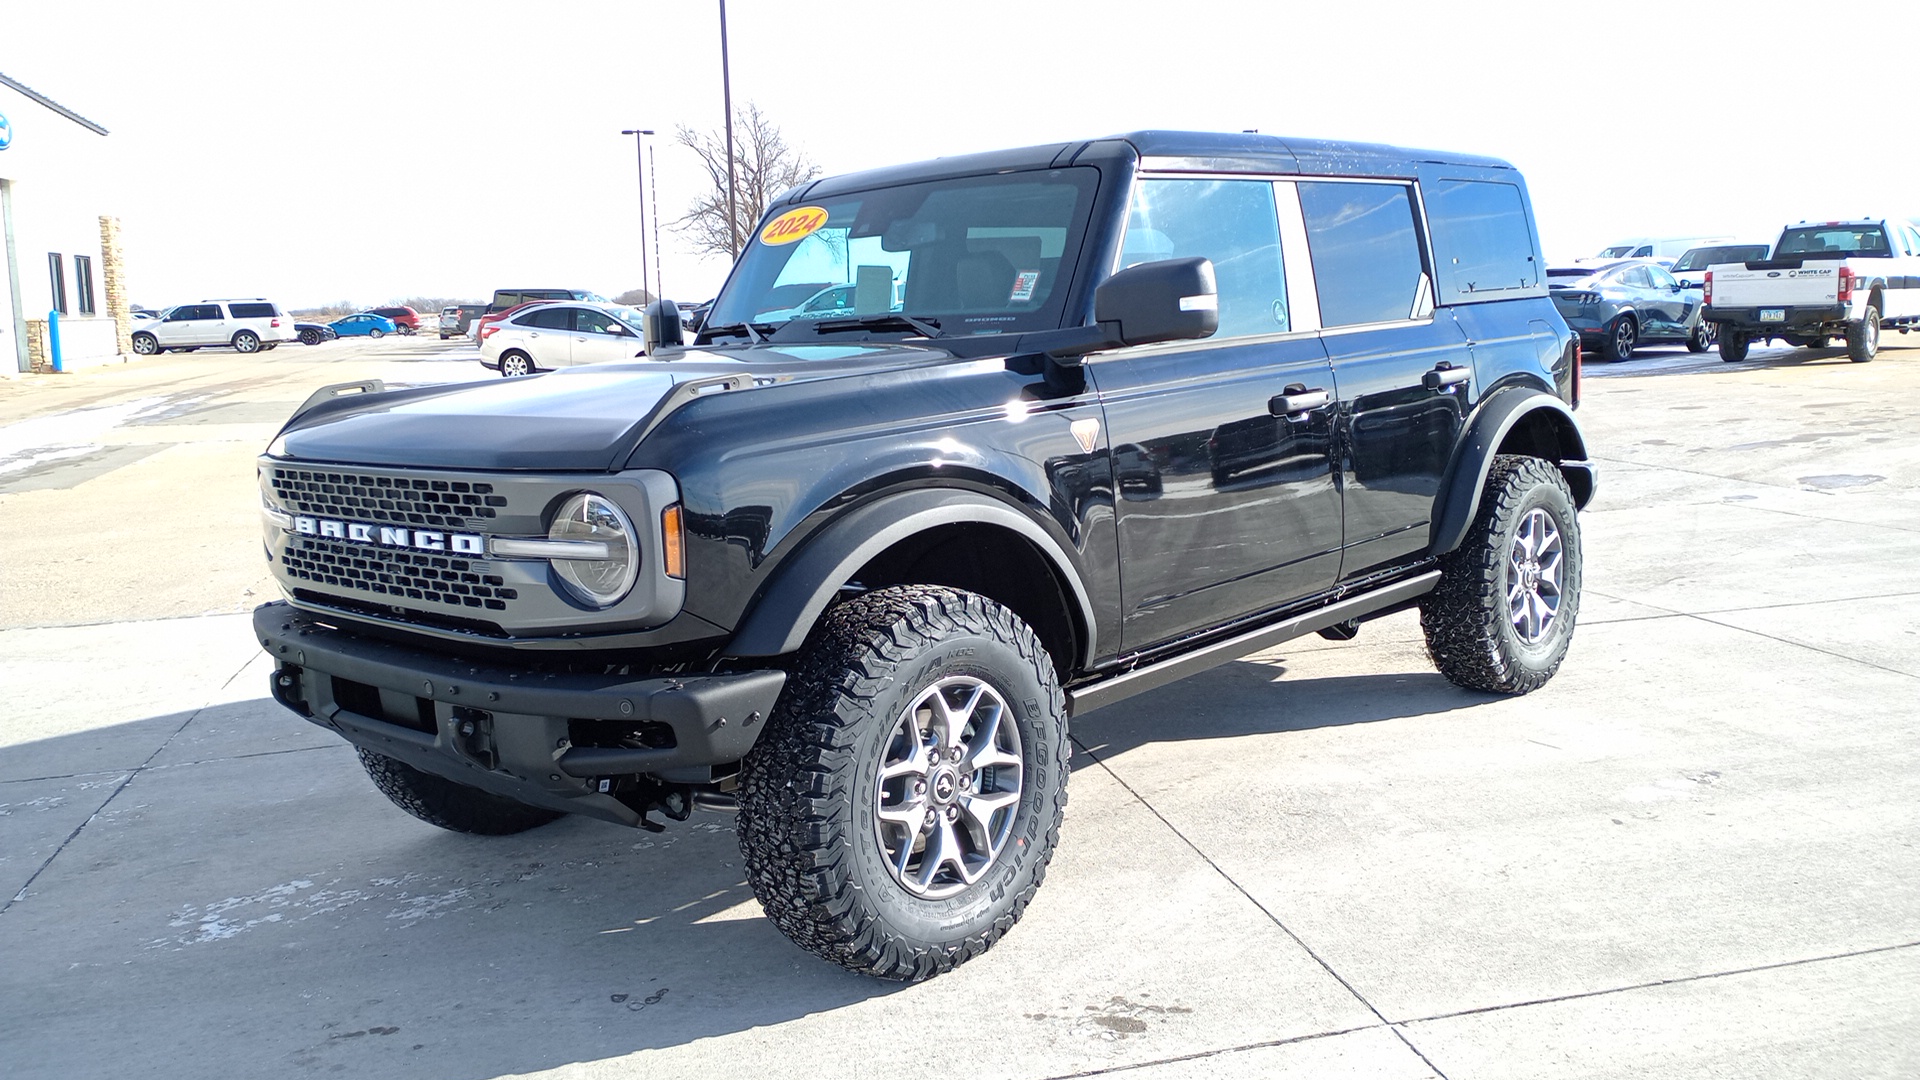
pixel 1500 413
pixel 803 586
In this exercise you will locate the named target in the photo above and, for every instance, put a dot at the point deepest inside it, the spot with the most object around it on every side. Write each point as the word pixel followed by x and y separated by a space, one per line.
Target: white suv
pixel 248 325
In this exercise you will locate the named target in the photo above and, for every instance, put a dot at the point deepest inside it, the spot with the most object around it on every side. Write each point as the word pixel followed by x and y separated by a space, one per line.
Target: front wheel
pixel 246 341
pixel 1863 337
pixel 1502 616
pixel 1733 346
pixel 1620 339
pixel 1701 338
pixel 900 809
pixel 376 334
pixel 455 807
pixel 145 344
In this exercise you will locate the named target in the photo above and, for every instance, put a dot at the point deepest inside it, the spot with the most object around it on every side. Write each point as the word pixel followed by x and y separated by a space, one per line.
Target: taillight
pixel 1846 284
pixel 1706 287
pixel 275 322
pixel 487 332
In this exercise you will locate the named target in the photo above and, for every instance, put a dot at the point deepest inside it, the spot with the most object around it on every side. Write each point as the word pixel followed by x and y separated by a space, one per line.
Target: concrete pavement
pixel 1693 854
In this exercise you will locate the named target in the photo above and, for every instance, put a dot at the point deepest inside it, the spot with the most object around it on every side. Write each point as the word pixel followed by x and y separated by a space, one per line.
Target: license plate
pixel 1773 314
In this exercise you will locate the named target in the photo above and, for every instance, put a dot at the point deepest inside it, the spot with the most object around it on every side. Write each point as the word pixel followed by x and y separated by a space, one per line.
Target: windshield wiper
pixel 753 334
pixel 892 320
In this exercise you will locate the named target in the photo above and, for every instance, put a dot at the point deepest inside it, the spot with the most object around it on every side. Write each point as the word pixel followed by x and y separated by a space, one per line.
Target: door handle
pixel 1444 376
pixel 1297 399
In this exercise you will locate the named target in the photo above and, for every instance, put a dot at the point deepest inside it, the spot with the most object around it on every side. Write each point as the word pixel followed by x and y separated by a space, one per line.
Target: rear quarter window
pixel 254 311
pixel 1482 239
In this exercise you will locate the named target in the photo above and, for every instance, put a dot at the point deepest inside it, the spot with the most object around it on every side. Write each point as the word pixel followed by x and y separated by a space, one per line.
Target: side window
pixel 1481 238
pixel 1661 279
pixel 253 311
pixel 1636 276
pixel 589 321
pixel 1232 222
pixel 550 318
pixel 1366 255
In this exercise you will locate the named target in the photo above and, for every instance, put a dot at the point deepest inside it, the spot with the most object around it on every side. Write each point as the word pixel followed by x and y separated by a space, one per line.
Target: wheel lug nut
pixel 919 787
pixel 955 755
pixel 953 813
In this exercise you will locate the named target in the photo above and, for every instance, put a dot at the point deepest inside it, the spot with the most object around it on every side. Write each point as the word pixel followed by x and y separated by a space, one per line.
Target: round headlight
pixel 598 582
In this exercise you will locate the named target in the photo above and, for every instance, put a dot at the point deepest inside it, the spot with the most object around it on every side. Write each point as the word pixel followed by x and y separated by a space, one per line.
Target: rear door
pixel 1225 500
pixel 1370 269
pixel 549 335
pixel 191 324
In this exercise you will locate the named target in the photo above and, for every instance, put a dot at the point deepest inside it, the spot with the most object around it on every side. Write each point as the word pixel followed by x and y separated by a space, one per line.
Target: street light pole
pixel 640 162
pixel 726 94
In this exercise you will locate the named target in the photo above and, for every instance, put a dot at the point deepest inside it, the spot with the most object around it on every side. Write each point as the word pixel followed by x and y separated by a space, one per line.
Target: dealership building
pixel 63 291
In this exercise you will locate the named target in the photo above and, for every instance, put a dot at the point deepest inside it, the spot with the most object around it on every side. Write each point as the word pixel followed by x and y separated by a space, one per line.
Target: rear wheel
pixel 1863 337
pixel 455 807
pixel 1733 345
pixel 246 341
pixel 1622 333
pixel 900 809
pixel 1502 616
pixel 516 363
pixel 309 337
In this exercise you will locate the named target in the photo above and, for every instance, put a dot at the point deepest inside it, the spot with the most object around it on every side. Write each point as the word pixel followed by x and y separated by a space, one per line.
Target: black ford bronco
pixel 1048 428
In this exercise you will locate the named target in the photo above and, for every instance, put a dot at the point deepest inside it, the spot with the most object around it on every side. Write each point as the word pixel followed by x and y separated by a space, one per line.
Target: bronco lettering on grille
pixel 388 536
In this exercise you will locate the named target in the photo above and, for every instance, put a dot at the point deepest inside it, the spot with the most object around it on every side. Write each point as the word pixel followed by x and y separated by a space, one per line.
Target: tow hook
pixel 473 729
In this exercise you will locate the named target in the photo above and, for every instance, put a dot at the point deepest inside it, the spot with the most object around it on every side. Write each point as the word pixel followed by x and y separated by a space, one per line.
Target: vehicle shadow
pixel 1677 361
pixel 1256 697
pixel 235 885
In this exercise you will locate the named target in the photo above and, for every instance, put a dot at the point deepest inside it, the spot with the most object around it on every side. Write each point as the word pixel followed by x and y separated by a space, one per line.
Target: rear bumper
pixel 1748 319
pixel 513 732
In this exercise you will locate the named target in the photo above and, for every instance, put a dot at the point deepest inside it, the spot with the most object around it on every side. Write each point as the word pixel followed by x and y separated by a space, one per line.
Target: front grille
pixel 400 575
pixel 387 500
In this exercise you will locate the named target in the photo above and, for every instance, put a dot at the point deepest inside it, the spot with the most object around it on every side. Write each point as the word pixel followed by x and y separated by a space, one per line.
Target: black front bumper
pixel 514 732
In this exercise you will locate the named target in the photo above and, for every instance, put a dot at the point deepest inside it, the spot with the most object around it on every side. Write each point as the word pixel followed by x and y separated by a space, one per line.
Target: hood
pixel 585 419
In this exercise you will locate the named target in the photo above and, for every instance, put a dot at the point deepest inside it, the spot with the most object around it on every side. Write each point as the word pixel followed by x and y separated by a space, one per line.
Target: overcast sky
pixel 313 152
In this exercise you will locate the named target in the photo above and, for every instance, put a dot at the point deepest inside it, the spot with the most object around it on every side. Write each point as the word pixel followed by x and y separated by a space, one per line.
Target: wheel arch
pixel 961 539
pixel 1512 420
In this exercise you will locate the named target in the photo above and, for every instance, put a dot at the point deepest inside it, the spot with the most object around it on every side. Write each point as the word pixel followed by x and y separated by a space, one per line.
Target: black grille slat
pixel 388 500
pixel 396 573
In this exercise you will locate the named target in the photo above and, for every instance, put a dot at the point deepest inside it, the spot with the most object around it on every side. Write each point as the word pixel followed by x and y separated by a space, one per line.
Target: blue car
pixel 364 324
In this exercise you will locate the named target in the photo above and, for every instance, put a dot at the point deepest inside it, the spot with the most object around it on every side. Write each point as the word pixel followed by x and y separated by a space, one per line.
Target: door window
pixel 589 321
pixel 548 318
pixel 1366 253
pixel 1232 222
pixel 1661 279
pixel 1636 277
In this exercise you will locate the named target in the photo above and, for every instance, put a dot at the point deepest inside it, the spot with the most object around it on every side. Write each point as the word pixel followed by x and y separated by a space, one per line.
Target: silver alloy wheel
pixel 515 364
pixel 1623 336
pixel 145 344
pixel 245 342
pixel 1534 566
pixel 949 783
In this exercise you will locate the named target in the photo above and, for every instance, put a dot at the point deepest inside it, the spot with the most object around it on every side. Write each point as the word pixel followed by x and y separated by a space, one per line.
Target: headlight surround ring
pixel 596 583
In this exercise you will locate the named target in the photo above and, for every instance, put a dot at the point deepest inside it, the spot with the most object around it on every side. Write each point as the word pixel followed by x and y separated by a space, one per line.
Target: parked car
pixel 458 318
pixel 692 315
pixel 545 336
pixel 1666 249
pixel 1690 269
pixel 486 324
pixel 405 319
pixel 314 333
pixel 1621 305
pixel 1824 280
pixel 504 299
pixel 365 324
pixel 248 325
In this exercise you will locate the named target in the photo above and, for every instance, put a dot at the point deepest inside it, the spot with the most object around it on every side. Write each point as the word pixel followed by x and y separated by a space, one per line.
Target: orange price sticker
pixel 793 225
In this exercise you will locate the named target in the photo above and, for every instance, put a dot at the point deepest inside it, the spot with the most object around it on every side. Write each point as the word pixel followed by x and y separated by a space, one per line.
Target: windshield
pixel 1833 241
pixel 968 255
pixel 1703 257
pixel 1619 251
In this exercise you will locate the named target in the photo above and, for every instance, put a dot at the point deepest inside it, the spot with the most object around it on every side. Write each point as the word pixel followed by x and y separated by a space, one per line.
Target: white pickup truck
pixel 1824 280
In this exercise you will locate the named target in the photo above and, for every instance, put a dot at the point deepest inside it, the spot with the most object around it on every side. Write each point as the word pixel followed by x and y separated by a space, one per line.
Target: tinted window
pixel 589 321
pixel 1832 241
pixel 1480 236
pixel 1703 257
pixel 1233 223
pixel 194 311
pixel 1366 255
pixel 548 318
pixel 252 311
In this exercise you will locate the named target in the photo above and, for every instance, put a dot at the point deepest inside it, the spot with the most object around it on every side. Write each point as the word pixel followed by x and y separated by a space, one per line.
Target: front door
pixel 191 324
pixel 600 338
pixel 1225 496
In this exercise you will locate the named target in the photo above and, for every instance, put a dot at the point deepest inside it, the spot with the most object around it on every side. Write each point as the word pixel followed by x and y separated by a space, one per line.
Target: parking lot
pixel 1692 854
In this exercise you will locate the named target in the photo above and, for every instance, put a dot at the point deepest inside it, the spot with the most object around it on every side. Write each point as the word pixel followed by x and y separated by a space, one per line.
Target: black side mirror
pixel 1168 300
pixel 663 324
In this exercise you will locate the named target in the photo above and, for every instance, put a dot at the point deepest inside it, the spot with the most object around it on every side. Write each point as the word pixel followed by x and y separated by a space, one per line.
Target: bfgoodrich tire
pixel 1503 614
pixel 900 809
pixel 455 807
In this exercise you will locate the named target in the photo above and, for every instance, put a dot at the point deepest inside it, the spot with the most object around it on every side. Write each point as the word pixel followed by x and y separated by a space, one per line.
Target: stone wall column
pixel 39 352
pixel 113 273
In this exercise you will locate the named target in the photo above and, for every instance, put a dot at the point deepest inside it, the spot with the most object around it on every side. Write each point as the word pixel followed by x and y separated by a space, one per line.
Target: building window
pixel 83 282
pixel 56 270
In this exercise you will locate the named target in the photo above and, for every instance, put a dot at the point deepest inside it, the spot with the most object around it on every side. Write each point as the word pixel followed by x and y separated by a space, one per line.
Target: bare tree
pixel 639 298
pixel 763 165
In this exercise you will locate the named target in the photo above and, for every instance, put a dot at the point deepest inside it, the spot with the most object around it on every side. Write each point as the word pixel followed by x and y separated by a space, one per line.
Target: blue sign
pixel 6 133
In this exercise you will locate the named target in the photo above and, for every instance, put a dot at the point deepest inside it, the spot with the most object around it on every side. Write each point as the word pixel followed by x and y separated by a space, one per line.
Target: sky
pixel 367 152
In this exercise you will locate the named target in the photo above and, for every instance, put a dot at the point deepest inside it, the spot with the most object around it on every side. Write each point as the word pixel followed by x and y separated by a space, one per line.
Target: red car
pixel 407 319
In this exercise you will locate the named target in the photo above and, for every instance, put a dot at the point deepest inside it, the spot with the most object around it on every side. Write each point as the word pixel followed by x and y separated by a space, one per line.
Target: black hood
pixel 581 419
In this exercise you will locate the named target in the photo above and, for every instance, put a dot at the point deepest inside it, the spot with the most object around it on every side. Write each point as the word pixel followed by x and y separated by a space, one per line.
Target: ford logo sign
pixel 6 133
pixel 1773 273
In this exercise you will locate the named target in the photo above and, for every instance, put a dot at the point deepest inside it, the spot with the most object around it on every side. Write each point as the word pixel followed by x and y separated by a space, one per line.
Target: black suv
pixel 1103 414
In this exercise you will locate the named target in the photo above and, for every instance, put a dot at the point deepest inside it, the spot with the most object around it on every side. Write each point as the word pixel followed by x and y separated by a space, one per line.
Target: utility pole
pixel 640 162
pixel 653 185
pixel 726 95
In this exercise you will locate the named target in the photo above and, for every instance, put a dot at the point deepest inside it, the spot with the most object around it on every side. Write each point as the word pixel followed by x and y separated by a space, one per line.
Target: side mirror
pixel 663 324
pixel 1168 300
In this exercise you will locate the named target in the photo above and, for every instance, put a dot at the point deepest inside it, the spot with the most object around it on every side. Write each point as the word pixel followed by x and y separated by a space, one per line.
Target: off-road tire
pixel 1622 334
pixel 1733 345
pixel 1469 632
pixel 1863 337
pixel 808 789
pixel 455 807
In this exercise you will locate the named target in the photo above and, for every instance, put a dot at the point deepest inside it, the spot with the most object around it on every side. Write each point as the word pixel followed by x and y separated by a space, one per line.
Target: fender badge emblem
pixel 1086 433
